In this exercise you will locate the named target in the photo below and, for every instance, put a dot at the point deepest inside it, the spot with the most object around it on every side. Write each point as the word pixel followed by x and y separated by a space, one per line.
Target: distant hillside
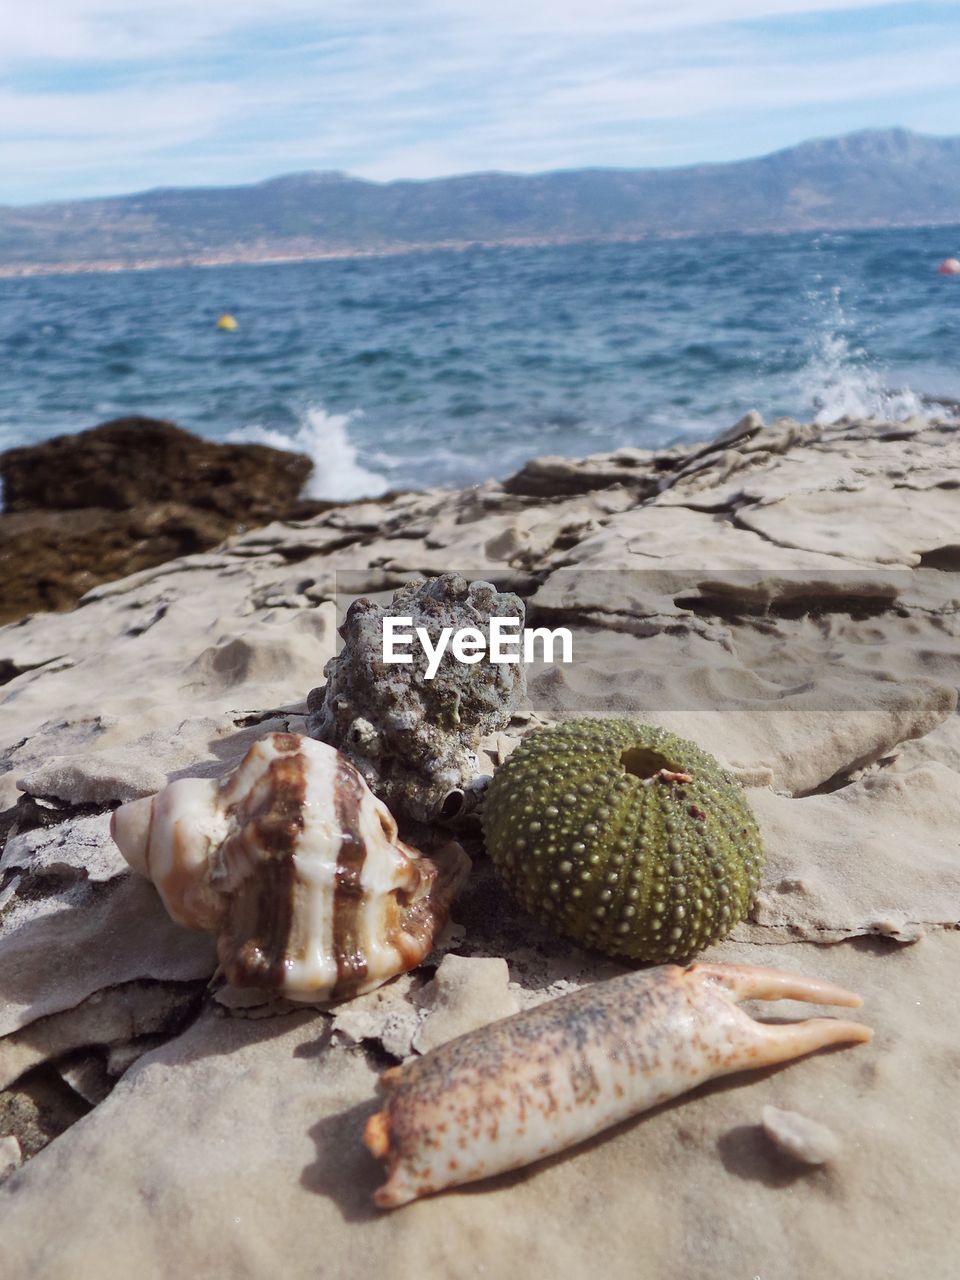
pixel 876 178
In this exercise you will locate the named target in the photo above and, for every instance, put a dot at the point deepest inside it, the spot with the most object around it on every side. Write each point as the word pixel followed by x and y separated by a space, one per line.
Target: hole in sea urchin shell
pixel 644 763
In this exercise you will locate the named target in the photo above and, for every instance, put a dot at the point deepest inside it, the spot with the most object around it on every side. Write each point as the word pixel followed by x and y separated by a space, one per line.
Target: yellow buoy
pixel 227 321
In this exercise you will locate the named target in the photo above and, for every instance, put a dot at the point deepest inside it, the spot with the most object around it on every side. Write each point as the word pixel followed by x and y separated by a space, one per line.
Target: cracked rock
pixel 11 1156
pixel 465 993
pixel 92 779
pixel 824 671
pixel 108 1018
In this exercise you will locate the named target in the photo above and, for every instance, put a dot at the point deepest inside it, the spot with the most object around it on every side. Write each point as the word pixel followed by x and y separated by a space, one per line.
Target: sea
pixel 448 367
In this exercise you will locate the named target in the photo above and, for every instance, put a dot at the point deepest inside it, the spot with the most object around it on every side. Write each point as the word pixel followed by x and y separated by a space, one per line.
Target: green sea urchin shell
pixel 592 839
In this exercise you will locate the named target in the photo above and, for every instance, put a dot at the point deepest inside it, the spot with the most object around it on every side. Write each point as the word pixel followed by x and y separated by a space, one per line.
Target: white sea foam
pixel 838 381
pixel 840 385
pixel 325 437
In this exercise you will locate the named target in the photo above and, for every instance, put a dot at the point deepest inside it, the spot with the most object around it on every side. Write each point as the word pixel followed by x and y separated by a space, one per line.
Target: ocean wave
pixel 838 384
pixel 338 474
pixel 466 365
pixel 840 380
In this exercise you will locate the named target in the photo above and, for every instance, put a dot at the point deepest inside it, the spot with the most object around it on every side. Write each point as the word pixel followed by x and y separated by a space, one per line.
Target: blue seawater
pixel 448 367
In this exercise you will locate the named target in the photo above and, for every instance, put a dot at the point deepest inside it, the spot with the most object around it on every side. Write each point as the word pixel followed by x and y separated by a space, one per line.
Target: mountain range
pixel 874 178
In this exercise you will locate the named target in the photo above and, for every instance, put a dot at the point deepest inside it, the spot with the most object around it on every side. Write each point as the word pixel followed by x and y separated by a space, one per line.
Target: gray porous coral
pixel 415 740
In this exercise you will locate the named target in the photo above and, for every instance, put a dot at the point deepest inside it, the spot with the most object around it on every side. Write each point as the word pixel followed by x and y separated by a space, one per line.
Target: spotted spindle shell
pixel 592 840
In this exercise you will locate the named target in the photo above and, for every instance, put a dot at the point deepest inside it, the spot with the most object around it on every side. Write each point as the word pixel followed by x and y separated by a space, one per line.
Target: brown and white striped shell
pixel 297 866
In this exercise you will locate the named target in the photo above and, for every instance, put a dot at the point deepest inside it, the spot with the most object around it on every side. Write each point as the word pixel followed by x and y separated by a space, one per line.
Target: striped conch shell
pixel 297 866
pixel 545 1079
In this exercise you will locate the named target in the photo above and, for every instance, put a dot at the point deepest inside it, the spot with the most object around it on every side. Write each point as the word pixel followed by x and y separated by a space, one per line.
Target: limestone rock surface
pixel 787 597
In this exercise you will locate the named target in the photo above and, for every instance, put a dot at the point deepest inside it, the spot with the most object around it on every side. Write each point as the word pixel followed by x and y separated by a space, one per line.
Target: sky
pixel 100 97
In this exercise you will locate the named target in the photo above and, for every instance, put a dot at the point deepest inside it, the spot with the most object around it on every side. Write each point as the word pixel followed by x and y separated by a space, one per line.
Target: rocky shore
pixel 127 495
pixel 786 595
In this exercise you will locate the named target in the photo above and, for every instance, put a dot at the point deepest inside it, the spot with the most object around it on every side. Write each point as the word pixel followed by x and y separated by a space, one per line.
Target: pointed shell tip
pixel 130 829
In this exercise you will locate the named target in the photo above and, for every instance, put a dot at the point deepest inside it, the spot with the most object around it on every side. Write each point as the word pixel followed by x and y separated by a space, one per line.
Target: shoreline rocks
pixel 747 594
pixel 125 496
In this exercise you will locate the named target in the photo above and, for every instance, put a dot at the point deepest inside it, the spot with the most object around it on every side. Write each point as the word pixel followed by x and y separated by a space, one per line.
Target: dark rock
pixel 38 1108
pixel 132 461
pixel 49 559
pixel 126 496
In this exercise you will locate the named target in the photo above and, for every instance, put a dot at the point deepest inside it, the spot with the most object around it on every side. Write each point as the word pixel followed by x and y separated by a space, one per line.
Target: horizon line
pixel 346 176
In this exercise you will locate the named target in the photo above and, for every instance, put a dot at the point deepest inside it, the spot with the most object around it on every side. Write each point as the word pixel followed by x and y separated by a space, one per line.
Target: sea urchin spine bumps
pixel 624 837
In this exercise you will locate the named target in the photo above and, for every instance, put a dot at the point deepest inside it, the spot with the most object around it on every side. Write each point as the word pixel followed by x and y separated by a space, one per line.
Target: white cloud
pixel 218 91
pixel 114 30
pixel 687 93
pixel 117 29
pixel 168 113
